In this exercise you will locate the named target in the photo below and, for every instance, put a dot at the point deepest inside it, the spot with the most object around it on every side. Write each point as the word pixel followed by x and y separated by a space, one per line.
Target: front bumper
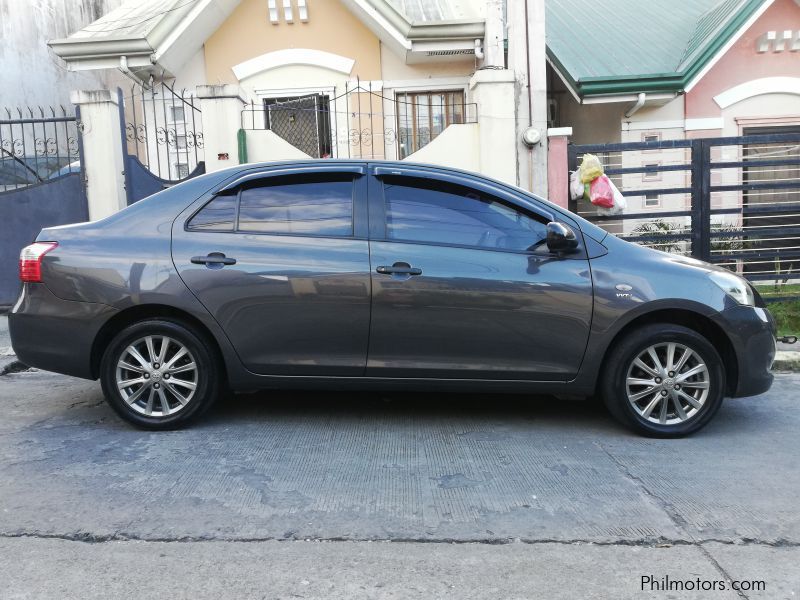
pixel 54 334
pixel 752 333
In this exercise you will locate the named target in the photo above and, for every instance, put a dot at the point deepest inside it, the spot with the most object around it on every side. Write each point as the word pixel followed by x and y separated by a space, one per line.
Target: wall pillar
pixel 527 59
pixel 102 158
pixel 558 166
pixel 221 106
pixel 493 91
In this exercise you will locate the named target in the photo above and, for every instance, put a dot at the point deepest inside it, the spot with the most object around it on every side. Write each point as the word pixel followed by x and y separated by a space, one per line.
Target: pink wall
pixel 743 63
pixel 558 170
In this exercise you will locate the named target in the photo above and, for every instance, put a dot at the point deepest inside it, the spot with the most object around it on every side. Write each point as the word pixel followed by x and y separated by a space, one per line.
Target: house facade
pixel 384 79
pixel 450 81
pixel 715 69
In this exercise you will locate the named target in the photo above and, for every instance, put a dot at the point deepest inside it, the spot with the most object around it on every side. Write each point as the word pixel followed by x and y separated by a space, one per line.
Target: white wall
pixel 265 146
pixel 457 146
pixel 30 75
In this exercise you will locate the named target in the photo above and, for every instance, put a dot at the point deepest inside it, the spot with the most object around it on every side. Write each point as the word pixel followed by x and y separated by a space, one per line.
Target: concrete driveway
pixel 396 496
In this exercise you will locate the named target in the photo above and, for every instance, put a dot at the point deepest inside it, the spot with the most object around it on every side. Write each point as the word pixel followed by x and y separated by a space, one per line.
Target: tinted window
pixel 307 205
pixel 217 215
pixel 427 211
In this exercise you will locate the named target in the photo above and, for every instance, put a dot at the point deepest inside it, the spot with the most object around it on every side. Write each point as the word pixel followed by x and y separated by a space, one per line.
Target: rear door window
pixel 301 205
pixel 217 215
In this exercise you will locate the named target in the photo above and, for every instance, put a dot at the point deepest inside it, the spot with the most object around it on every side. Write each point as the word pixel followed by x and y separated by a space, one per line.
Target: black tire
pixel 206 377
pixel 614 388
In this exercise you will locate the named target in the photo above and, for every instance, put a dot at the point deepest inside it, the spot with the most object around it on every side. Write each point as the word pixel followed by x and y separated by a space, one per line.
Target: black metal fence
pixel 164 130
pixel 732 201
pixel 37 145
pixel 360 122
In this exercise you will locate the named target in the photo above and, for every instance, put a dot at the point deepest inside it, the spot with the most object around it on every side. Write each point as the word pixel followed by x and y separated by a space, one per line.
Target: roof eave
pixel 447 30
pixel 629 85
pixel 81 48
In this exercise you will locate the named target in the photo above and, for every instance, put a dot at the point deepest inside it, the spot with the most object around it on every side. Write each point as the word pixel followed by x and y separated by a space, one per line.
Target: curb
pixel 786 361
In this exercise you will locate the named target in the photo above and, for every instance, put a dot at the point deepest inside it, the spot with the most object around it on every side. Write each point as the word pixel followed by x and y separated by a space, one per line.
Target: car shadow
pixel 302 404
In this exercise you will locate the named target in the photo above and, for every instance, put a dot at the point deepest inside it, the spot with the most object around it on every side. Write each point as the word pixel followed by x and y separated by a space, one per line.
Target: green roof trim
pixel 634 47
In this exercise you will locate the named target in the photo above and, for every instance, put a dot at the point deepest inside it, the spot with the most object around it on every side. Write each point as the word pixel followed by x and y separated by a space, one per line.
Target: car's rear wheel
pixel 159 374
pixel 663 380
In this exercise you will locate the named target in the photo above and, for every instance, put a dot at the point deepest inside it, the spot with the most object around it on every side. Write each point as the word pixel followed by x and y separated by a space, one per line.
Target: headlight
pixel 736 287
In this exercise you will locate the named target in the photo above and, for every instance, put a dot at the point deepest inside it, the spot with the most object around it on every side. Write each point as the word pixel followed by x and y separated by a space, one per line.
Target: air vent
pixel 449 52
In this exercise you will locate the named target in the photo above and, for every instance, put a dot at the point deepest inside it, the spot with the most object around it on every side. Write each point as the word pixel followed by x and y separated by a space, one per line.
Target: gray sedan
pixel 369 274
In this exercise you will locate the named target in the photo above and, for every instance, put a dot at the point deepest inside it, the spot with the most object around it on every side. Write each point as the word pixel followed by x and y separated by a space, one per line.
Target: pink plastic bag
pixel 601 192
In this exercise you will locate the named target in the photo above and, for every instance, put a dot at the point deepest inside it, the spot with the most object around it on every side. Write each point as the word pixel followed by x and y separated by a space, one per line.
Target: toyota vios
pixel 362 274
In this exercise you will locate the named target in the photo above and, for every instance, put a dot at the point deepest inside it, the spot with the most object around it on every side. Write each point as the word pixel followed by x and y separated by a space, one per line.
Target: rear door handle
pixel 399 268
pixel 213 258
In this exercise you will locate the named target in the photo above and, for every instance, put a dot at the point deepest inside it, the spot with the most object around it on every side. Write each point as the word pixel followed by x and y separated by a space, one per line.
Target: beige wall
pixel 393 67
pixel 591 123
pixel 247 33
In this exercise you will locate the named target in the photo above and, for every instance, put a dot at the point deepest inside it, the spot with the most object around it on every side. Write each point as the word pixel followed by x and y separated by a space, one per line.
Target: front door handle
pixel 399 268
pixel 214 259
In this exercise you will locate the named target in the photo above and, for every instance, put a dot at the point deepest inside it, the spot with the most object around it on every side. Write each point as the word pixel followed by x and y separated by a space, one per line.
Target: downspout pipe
pixel 479 49
pixel 640 100
pixel 125 70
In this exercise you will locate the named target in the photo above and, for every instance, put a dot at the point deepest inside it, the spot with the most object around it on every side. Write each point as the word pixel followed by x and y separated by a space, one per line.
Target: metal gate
pixel 41 182
pixel 360 122
pixel 732 201
pixel 162 132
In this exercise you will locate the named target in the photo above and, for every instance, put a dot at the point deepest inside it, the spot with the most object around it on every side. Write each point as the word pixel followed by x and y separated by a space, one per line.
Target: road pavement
pixel 314 495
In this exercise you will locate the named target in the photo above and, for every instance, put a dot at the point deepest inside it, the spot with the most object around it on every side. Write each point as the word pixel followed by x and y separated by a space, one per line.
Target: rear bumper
pixel 54 334
pixel 752 332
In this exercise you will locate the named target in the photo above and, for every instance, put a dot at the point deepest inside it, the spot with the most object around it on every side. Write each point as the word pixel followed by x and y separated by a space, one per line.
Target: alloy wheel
pixel 157 376
pixel 668 383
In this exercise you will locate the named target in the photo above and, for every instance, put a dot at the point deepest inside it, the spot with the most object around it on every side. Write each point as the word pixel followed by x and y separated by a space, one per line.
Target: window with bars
pixel 421 116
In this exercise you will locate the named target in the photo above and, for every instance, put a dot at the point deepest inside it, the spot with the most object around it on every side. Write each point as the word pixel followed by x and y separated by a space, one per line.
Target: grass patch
pixel 782 289
pixel 787 316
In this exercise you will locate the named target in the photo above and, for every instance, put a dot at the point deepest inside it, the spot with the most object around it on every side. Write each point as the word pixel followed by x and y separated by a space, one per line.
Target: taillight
pixel 30 261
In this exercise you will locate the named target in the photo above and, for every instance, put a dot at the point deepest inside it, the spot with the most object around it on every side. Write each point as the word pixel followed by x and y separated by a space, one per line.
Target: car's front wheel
pixel 664 380
pixel 159 374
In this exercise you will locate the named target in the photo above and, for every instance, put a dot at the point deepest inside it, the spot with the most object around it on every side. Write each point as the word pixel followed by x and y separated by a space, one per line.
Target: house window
pixel 651 137
pixel 181 170
pixel 302 10
pixel 180 142
pixel 303 121
pixel 421 116
pixel 273 11
pixel 651 200
pixel 177 114
pixel 653 175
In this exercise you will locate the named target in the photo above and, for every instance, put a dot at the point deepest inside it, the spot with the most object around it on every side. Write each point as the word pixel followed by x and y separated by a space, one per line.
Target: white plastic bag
pixel 619 200
pixel 576 188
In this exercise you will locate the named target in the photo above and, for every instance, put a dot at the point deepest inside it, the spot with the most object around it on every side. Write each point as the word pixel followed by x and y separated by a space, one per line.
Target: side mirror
pixel 560 238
